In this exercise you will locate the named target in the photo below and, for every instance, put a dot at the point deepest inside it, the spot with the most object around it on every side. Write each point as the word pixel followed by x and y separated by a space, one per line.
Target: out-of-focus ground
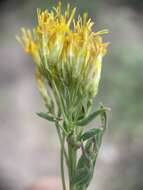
pixel 28 145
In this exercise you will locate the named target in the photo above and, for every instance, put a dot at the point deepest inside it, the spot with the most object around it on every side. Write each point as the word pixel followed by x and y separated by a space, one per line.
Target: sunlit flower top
pixel 67 53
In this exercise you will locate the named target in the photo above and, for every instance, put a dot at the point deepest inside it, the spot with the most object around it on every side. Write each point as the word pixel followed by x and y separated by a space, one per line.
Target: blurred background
pixel 29 145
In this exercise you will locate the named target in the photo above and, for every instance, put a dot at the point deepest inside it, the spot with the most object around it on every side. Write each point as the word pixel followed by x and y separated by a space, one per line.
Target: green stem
pixel 62 164
pixel 60 138
pixel 63 154
pixel 72 164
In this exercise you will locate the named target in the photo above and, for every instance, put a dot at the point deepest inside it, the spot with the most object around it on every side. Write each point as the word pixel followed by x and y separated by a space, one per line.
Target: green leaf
pixel 99 140
pixel 82 176
pixel 91 133
pixel 92 116
pixel 46 116
pixel 85 160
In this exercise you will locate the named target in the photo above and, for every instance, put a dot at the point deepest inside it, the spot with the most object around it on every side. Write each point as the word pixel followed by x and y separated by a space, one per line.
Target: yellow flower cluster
pixel 66 50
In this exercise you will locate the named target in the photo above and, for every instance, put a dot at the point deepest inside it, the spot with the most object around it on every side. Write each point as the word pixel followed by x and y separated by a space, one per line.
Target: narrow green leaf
pixel 99 140
pixel 92 116
pixel 46 116
pixel 91 133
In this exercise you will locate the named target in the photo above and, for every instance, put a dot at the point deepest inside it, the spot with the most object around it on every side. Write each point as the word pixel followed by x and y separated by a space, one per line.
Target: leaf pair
pixel 93 137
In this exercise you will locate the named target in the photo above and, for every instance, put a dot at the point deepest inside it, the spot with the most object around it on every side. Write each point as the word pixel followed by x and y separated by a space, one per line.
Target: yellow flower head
pixel 66 51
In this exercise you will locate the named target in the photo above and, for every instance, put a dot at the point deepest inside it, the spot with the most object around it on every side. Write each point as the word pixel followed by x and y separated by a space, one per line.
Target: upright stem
pixel 72 164
pixel 62 164
pixel 70 158
pixel 63 154
pixel 60 139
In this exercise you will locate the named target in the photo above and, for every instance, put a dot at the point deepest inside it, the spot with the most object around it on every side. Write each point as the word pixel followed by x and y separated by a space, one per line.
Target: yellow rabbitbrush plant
pixel 68 60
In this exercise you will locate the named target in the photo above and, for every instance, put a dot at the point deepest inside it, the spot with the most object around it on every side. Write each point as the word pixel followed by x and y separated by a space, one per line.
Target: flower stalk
pixel 68 60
